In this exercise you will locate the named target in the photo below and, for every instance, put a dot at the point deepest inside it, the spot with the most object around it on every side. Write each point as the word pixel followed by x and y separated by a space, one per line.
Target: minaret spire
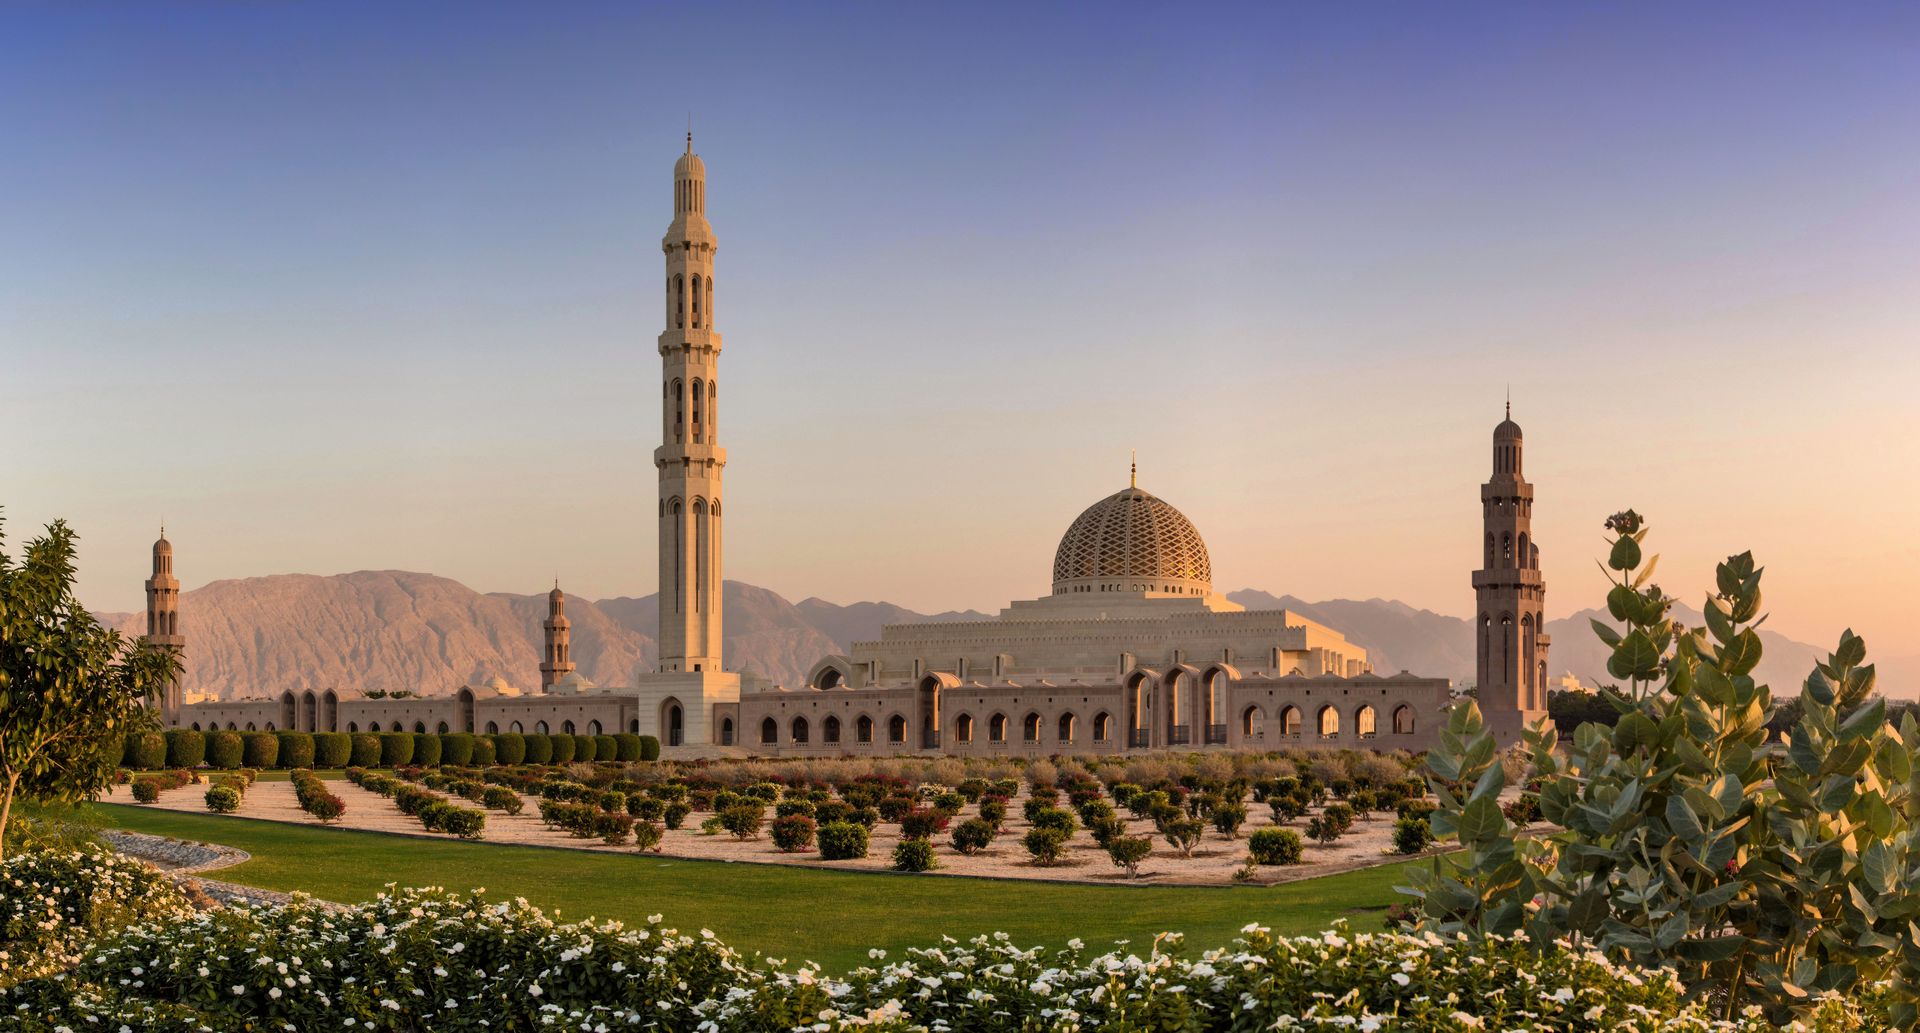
pixel 1133 468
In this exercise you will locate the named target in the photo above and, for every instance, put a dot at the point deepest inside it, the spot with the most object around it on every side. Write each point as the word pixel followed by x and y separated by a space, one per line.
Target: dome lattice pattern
pixel 1132 534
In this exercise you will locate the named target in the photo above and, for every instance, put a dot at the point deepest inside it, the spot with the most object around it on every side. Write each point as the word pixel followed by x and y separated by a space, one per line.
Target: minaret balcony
pixel 690 455
pixel 1508 577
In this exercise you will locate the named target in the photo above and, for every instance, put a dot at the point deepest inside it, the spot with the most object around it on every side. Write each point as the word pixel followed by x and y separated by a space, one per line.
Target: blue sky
pixel 339 286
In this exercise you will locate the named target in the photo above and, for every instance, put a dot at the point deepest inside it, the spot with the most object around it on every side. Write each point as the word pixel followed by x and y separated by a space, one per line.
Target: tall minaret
pixel 1510 596
pixel 163 621
pixel 689 458
pixel 558 662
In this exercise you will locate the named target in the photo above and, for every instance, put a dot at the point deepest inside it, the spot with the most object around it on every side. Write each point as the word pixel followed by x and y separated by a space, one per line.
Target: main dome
pixel 1131 541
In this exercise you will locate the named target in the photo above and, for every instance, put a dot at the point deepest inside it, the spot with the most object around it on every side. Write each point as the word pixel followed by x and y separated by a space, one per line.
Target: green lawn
pixel 794 913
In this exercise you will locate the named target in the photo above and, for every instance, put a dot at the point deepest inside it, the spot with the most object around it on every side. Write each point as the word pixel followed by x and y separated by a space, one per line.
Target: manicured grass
pixel 792 913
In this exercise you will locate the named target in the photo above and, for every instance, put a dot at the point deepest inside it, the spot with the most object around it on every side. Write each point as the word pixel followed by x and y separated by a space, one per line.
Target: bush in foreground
pixel 914 855
pixel 842 841
pixel 1275 846
pixel 511 965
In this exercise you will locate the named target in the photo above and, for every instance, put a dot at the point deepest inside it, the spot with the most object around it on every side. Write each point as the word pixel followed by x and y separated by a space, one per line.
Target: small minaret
pixel 559 657
pixel 163 621
pixel 689 458
pixel 1510 596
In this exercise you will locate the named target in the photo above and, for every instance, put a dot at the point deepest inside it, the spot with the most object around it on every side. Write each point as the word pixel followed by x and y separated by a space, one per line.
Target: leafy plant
pixel 1412 835
pixel 793 833
pixel 914 855
pixel 1183 834
pixel 1275 846
pixel 1046 845
pixel 842 841
pixel 973 835
pixel 1129 851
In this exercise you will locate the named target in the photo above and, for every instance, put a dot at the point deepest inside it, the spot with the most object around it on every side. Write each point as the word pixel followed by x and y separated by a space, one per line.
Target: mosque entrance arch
pixel 672 722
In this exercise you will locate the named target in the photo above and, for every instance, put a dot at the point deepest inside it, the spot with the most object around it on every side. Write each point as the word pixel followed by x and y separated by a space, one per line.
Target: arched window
pixel 1403 720
pixel 1489 550
pixel 1030 728
pixel 896 729
pixel 1523 549
pixel 1102 727
pixel 566 727
pixel 726 731
pixel 997 728
pixel 679 302
pixel 769 731
pixel 443 728
pixel 270 727
pixel 593 728
pixel 1329 722
pixel 1066 727
pixel 1363 721
pixel 863 729
pixel 540 728
pixel 633 726
pixel 354 726
pixel 1506 550
pixel 516 729
pixel 696 301
pixel 699 397
pixel 830 679
pixel 250 726
pixel 830 730
pixel 679 412
pixel 963 728
pixel 493 728
pixel 800 729
pixel 1506 649
pixel 1290 721
pixel 196 726
pixel 1250 723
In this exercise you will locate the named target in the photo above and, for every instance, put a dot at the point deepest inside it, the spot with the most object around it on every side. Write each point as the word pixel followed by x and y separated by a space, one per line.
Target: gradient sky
pixel 343 286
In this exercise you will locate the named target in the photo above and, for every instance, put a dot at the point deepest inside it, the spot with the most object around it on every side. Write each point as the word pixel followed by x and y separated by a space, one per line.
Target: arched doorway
pixel 929 707
pixel 673 723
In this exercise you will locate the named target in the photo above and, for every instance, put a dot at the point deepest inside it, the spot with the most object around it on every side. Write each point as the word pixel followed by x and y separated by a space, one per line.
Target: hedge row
pixel 228 751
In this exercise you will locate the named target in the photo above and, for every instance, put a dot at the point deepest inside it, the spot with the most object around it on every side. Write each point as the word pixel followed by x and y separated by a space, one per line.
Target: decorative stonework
pixel 1132 534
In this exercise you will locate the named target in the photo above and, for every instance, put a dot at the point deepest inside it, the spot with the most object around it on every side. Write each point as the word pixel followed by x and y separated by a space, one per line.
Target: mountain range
pixel 392 630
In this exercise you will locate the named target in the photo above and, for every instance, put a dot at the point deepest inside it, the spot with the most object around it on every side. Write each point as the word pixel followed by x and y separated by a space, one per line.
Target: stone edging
pixel 180 860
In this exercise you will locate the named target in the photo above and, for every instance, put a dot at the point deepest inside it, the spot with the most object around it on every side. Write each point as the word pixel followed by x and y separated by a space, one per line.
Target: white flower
pixel 535 990
pixel 1401 978
pixel 274 993
pixel 238 990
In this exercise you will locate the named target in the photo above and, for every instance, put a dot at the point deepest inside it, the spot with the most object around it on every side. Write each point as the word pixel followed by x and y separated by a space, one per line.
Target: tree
pixel 70 688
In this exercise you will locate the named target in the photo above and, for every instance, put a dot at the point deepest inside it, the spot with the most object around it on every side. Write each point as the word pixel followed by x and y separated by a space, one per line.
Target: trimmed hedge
pixel 225 750
pixel 260 749
pixel 483 755
pixel 842 841
pixel 562 748
pixel 186 748
pixel 332 750
pixel 626 747
pixel 509 748
pixel 539 748
pixel 456 748
pixel 296 749
pixel 366 750
pixel 396 748
pixel 586 747
pixel 649 748
pixel 146 751
pixel 426 749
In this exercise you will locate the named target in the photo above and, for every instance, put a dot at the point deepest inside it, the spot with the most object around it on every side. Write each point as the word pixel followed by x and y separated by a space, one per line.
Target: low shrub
pixel 500 798
pixel 260 749
pixel 742 820
pixel 626 747
pixel 1412 835
pixel 1522 810
pixel 1106 828
pixel 973 835
pixel 842 841
pixel 647 835
pixel 787 807
pixel 1047 845
pixel 676 813
pixel 1228 817
pixel 1323 830
pixel 1275 846
pixel 649 748
pixel 1129 851
pixel 994 809
pixel 146 790
pixel 1183 834
pixel 223 799
pixel 465 822
pixel 1055 818
pixel 225 750
pixel 914 855
pixel 894 808
pixel 186 748
pixel 646 808
pixel 1340 814
pixel 332 749
pixel 793 833
pixel 613 828
pixel 923 823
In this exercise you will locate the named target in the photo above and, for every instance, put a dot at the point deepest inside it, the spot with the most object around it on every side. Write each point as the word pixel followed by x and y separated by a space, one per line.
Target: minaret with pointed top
pixel 689 458
pixel 1510 596
pixel 558 662
pixel 163 622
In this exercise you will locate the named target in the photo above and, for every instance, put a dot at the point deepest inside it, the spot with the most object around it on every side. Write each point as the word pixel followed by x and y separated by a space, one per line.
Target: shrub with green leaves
pixel 332 749
pixel 223 799
pixel 186 748
pixel 1412 835
pixel 1275 846
pixel 1325 830
pixel 1055 818
pixel 295 750
pixel 225 750
pixel 676 813
pixel 742 820
pixel 1228 817
pixel 647 835
pixel 365 752
pixel 842 841
pixel 649 748
pixel 1129 851
pixel 396 748
pixel 914 855
pixel 1047 845
pixel 1762 874
pixel 426 749
pixel 1183 834
pixel 260 749
pixel 793 833
pixel 509 748
pixel 973 835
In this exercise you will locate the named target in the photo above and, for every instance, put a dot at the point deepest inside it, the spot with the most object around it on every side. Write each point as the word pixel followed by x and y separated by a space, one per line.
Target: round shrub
pixel 1183 834
pixel 465 822
pixel 921 823
pixel 676 813
pixel 483 755
pixel 842 841
pixel 146 790
pixel 326 806
pixel 224 750
pixel 456 748
pixel 973 835
pixel 649 748
pixel 223 799
pixel 793 833
pixel 260 749
pixel 585 748
pixel 396 748
pixel 994 809
pixel 365 752
pixel 500 798
pixel 914 855
pixel 1275 846
pixel 605 748
pixel 186 748
pixel 562 749
pixel 626 747
pixel 742 819
pixel 647 835
pixel 1055 819
pixel 332 750
pixel 146 751
pixel 426 749
pixel 1129 851
pixel 509 748
pixel 295 749
pixel 1047 845
pixel 1412 835
pixel 1228 817
pixel 538 749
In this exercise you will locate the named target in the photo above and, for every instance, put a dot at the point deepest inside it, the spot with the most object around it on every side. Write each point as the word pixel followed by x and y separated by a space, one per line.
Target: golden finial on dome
pixel 1133 468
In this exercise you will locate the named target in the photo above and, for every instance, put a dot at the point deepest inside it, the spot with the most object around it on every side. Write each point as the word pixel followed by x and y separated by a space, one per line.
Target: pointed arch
pixel 830 730
pixel 1252 723
pixel 863 729
pixel 1290 722
pixel 897 729
pixel 1065 728
pixel 769 731
pixel 1403 720
pixel 997 728
pixel 1030 727
pixel 963 728
pixel 1329 721
pixel 1364 721
pixel 1102 727
pixel 797 731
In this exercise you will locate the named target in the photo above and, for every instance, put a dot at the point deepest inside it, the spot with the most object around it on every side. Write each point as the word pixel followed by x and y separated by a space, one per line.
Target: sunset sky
pixel 330 287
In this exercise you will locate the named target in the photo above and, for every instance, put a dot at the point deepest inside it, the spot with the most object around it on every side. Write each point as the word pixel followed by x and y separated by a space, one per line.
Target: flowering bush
pixel 793 833
pixel 431 960
pixel 52 903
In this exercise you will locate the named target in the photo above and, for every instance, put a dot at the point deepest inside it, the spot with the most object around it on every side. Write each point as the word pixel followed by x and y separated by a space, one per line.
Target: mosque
pixel 1132 649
